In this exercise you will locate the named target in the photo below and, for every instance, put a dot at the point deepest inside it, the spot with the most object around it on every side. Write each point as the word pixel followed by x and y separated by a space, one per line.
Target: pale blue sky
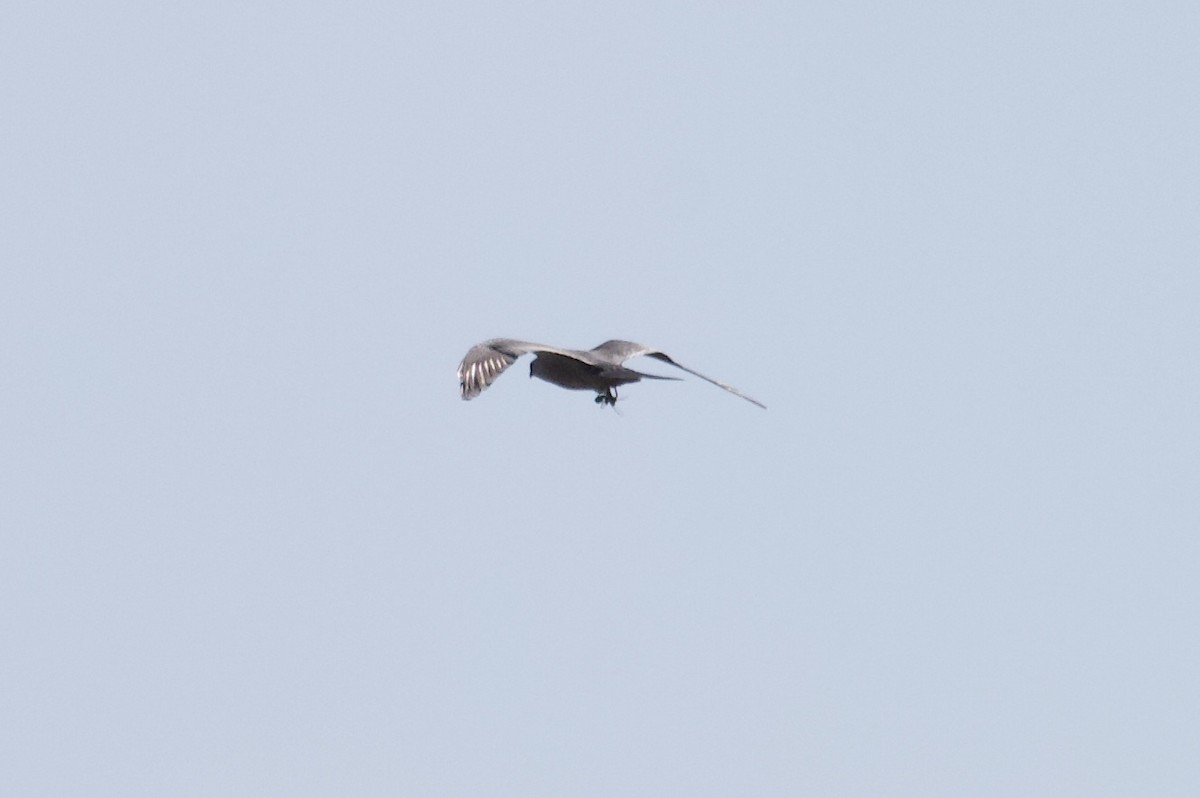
pixel 254 544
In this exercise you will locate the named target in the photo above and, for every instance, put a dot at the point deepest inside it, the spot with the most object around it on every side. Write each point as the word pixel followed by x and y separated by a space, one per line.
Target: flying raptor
pixel 601 369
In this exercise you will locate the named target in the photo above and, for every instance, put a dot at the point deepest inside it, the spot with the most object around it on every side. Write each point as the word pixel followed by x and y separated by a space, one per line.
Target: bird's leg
pixel 609 397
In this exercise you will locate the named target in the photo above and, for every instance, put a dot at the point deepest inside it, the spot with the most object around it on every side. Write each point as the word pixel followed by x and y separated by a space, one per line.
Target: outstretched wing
pixel 620 351
pixel 617 352
pixel 718 383
pixel 485 362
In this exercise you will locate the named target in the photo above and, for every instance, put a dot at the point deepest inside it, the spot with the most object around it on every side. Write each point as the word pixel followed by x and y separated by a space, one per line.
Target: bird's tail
pixel 646 376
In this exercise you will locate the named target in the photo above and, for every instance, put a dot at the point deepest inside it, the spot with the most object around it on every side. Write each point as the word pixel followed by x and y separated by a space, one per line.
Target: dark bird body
pixel 601 369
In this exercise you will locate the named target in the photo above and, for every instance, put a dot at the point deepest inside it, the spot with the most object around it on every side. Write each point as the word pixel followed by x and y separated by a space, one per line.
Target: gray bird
pixel 600 369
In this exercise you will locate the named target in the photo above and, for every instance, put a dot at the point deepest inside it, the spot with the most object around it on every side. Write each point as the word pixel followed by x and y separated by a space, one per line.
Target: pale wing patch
pixel 480 368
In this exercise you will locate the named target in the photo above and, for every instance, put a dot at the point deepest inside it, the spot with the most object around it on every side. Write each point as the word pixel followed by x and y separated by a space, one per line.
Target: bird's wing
pixel 718 383
pixel 484 362
pixel 617 352
pixel 620 351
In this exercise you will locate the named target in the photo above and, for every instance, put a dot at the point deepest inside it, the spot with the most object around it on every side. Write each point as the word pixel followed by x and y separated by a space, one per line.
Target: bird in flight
pixel 601 369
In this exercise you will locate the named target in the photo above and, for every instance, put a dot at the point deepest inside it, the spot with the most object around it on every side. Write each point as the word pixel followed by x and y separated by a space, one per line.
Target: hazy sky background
pixel 252 543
